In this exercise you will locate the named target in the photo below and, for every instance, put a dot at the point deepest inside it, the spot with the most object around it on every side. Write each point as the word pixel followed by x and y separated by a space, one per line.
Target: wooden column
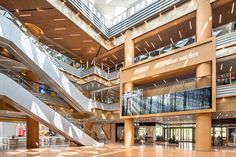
pixel 129 58
pixel 203 32
pixel 32 133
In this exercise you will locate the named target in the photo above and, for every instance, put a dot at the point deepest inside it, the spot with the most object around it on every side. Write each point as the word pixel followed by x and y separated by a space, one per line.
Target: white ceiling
pixel 112 8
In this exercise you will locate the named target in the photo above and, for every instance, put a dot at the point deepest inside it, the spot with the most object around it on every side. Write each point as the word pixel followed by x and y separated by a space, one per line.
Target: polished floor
pixel 113 150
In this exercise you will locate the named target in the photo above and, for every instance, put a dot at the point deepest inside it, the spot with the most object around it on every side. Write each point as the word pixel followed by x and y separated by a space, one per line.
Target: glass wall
pixel 181 134
pixel 134 103
pixel 224 135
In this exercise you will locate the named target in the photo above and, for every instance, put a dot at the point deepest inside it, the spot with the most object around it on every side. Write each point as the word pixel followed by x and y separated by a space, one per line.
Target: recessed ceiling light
pixel 146 50
pixel 220 18
pixel 25 15
pixel 232 9
pixel 180 34
pixel 76 49
pixel 171 40
pixel 17 10
pixel 231 67
pixel 60 19
pixel 114 56
pixel 159 37
pixel 190 25
pixel 74 35
pixel 153 45
pixel 87 41
pixel 147 44
pixel 59 38
pixel 137 48
pixel 60 29
pixel 90 51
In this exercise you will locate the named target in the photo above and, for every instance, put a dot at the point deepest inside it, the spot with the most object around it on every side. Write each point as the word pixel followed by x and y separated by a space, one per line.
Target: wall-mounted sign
pixel 189 56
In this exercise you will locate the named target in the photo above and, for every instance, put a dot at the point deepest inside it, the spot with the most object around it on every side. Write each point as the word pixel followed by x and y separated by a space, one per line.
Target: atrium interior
pixel 115 77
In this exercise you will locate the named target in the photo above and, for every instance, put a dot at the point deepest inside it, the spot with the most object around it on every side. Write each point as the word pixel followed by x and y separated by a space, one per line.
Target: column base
pixel 203 132
pixel 129 132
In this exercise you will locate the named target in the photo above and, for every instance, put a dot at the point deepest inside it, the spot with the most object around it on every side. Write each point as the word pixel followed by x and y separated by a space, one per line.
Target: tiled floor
pixel 118 151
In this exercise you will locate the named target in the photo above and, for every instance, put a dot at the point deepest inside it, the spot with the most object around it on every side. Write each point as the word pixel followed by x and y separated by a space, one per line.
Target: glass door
pixel 232 136
pixel 182 134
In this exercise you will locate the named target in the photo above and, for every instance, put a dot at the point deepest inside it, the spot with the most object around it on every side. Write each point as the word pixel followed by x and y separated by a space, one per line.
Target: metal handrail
pixel 45 49
pixel 160 51
pixel 179 82
pixel 18 80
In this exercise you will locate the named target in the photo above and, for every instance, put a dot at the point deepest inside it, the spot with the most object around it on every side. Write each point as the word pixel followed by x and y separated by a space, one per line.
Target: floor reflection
pixel 117 150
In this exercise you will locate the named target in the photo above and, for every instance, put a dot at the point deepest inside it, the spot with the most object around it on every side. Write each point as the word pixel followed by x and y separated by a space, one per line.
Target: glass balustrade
pixel 217 32
pixel 178 96
pixel 165 49
pixel 131 10
pixel 66 112
pixel 226 78
pixel 54 55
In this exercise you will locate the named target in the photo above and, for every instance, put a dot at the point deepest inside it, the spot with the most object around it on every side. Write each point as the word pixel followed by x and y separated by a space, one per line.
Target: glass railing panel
pixel 30 86
pixel 131 10
pixel 51 53
pixel 224 29
pixel 165 49
pixel 226 78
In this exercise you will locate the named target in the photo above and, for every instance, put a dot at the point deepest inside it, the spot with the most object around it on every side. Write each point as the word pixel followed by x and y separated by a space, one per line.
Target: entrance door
pixel 182 134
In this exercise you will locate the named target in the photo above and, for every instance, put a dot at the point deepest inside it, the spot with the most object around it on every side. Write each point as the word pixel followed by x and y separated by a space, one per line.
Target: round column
pixel 203 73
pixel 203 20
pixel 203 132
pixel 129 58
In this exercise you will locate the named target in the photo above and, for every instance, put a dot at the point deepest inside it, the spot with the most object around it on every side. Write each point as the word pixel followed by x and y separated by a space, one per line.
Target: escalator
pixel 18 92
pixel 26 48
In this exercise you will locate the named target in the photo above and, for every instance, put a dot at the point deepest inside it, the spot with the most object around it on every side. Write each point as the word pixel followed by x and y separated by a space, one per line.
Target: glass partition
pixel 193 93
pixel 134 103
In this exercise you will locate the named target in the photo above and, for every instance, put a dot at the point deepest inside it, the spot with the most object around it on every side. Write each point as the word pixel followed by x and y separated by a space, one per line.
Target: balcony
pixel 226 85
pixel 137 13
